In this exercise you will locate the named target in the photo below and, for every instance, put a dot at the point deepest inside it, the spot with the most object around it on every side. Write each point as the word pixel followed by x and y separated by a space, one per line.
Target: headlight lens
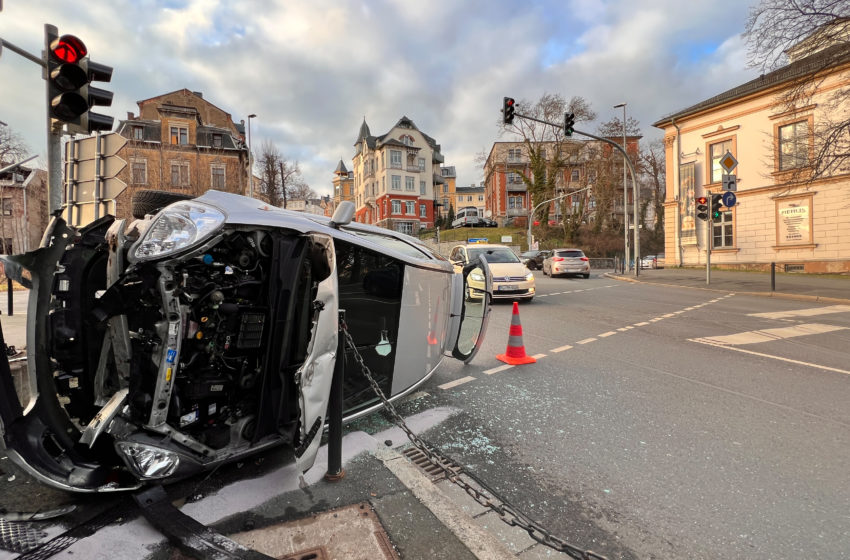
pixel 178 227
pixel 477 276
pixel 529 276
pixel 149 461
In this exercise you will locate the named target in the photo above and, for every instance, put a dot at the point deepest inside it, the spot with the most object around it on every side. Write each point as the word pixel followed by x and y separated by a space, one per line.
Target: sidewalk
pixel 806 287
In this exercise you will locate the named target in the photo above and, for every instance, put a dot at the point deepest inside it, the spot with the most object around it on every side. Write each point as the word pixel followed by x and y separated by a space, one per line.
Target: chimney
pixel 130 116
pixel 199 94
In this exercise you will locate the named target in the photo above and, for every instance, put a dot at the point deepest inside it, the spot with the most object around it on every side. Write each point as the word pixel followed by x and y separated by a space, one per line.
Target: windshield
pixel 497 255
pixel 573 254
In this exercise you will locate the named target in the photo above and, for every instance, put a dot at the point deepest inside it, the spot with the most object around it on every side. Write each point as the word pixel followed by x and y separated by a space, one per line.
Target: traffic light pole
pixel 631 171
pixel 54 138
pixel 709 241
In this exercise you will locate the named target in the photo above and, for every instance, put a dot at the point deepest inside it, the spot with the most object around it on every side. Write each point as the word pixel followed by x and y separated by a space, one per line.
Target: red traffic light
pixel 69 49
pixel 702 200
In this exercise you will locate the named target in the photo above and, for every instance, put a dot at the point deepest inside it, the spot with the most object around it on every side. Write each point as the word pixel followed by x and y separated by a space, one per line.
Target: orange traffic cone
pixel 515 353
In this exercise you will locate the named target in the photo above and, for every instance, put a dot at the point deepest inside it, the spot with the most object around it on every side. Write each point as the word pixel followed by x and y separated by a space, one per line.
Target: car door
pixel 470 314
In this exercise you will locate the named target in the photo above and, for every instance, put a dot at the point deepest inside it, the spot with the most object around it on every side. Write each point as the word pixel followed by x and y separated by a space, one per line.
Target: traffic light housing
pixel 69 74
pixel 569 123
pixel 702 207
pixel 716 204
pixel 508 108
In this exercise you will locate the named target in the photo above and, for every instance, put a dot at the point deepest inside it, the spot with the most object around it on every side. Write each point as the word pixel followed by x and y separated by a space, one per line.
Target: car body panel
pixel 222 348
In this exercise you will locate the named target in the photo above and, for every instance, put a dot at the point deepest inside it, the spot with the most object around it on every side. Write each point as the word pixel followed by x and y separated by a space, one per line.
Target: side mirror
pixel 343 214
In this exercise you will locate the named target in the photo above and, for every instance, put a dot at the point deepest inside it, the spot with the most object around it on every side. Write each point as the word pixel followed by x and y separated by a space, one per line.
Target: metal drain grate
pixel 19 537
pixel 795 268
pixel 421 460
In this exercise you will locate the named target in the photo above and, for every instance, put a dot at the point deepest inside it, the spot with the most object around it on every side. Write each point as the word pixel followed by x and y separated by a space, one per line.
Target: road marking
pixel 538 356
pixel 669 315
pixel 767 335
pixel 623 329
pixel 689 309
pixel 585 341
pixel 655 320
pixel 560 348
pixel 678 312
pixel 641 324
pixel 630 327
pixel 607 334
pixel 456 382
pixel 803 312
pixel 763 355
pixel 498 369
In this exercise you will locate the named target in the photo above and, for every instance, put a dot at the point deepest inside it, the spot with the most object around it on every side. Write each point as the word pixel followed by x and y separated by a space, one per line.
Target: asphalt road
pixel 658 422
pixel 652 433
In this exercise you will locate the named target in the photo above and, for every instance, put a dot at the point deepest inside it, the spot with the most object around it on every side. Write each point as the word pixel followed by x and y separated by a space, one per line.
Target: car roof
pixel 566 249
pixel 485 245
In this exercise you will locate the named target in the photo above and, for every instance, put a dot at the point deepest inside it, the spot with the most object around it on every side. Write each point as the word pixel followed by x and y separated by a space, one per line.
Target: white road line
pixel 538 356
pixel 498 369
pixel 641 324
pixel 607 334
pixel 803 312
pixel 767 335
pixel 668 315
pixel 585 341
pixel 678 312
pixel 689 308
pixel 456 382
pixel 560 348
pixel 655 320
pixel 630 327
pixel 763 355
pixel 623 329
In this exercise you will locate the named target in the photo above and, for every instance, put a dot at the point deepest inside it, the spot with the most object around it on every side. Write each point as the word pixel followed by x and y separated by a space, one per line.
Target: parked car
pixel 487 222
pixel 168 345
pixel 534 259
pixel 647 261
pixel 659 260
pixel 567 261
pixel 511 279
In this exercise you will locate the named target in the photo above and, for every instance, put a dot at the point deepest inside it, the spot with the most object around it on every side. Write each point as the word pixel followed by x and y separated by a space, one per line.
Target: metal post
pixel 335 471
pixel 625 192
pixel 251 162
pixel 709 241
pixel 772 277
pixel 54 140
pixel 9 296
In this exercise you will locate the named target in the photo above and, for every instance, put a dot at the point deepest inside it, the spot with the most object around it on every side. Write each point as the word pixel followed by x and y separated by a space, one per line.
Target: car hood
pixel 501 270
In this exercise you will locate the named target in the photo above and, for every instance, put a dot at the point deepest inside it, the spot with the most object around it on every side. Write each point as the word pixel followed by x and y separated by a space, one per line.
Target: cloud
pixel 312 70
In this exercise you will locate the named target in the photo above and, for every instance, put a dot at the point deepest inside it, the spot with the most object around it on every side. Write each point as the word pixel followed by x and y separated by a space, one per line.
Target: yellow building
pixel 446 191
pixel 783 214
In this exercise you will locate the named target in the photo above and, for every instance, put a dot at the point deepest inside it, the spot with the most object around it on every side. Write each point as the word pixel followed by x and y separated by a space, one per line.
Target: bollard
pixel 773 277
pixel 9 295
pixel 335 471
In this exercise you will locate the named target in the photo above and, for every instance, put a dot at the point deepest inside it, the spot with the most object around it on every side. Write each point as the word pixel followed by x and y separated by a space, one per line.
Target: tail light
pixel 585 259
pixel 557 259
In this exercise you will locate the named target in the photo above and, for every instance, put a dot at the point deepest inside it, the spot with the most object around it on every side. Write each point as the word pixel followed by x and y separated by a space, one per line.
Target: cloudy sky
pixel 312 71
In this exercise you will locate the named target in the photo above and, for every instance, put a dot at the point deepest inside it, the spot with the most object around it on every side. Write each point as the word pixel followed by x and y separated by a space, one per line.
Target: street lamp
pixel 560 196
pixel 250 159
pixel 625 194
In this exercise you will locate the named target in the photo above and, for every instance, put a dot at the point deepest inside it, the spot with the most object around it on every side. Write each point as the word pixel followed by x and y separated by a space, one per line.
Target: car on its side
pixel 534 259
pixel 511 279
pixel 565 262
pixel 209 329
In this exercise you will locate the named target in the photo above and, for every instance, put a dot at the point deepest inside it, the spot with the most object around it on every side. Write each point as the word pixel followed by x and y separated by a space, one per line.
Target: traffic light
pixel 508 108
pixel 69 74
pixel 702 207
pixel 569 123
pixel 716 203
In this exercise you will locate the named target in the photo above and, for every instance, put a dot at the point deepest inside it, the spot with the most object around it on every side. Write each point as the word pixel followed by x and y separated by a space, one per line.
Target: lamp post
pixel 250 159
pixel 625 194
pixel 560 196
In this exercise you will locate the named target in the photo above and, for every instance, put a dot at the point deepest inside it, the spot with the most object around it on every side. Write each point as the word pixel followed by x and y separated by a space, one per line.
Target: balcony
pixel 516 160
pixel 516 187
pixel 412 169
pixel 517 212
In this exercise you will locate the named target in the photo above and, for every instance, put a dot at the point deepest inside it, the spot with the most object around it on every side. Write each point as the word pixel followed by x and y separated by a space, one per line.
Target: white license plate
pixel 507 287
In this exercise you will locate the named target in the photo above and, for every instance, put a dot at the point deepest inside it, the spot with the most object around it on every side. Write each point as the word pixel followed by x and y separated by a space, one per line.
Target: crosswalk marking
pixel 456 382
pixel 767 335
pixel 803 312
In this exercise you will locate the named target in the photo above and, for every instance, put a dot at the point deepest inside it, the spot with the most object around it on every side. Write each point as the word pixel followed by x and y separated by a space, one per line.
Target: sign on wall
pixel 687 204
pixel 794 221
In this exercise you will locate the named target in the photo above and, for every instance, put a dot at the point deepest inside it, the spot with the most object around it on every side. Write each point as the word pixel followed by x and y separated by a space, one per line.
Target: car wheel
pixel 586 275
pixel 531 266
pixel 152 201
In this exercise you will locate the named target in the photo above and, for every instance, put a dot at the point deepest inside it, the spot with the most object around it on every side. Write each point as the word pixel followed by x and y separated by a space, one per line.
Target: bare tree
pixel 614 128
pixel 653 172
pixel 269 162
pixel 12 146
pixel 779 31
pixel 293 185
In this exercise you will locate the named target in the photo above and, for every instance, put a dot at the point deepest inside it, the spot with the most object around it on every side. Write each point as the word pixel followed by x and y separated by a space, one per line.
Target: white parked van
pixel 466 217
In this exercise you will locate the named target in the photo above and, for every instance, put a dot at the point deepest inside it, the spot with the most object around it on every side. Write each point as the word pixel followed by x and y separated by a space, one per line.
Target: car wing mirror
pixel 343 214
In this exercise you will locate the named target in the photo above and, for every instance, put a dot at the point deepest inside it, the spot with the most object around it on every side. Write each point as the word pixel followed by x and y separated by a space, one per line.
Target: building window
pixel 423 211
pixel 514 177
pixel 445 204
pixel 179 135
pixel 7 246
pixel 515 155
pixel 480 198
pixel 140 172
pixel 7 206
pixel 383 184
pixel 421 187
pixel 138 133
pixel 722 230
pixel 180 174
pixel 794 145
pixel 422 164
pixel 396 182
pixel 515 202
pixel 717 151
pixel 396 206
pixel 216 140
pixel 410 207
pixel 217 173
pixel 395 159
pixel 469 198
pixel 409 184
pixel 574 175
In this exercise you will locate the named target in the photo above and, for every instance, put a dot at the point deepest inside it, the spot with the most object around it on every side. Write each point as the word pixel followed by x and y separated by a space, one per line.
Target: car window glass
pixel 494 255
pixel 395 244
pixel 573 254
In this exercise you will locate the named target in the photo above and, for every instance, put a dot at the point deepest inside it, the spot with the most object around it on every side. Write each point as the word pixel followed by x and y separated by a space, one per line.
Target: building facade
pixel 783 213
pixel 473 195
pixel 446 191
pixel 343 185
pixel 181 142
pixel 23 209
pixel 396 177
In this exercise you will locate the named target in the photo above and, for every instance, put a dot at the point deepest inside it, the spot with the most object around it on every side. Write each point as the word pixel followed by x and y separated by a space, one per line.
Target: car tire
pixel 531 266
pixel 147 201
pixel 586 276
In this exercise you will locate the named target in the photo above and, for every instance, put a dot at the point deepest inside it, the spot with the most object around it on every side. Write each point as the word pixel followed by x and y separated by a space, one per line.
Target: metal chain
pixel 505 511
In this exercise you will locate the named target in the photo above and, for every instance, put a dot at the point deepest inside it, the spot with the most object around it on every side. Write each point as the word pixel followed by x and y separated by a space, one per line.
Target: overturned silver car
pixel 162 347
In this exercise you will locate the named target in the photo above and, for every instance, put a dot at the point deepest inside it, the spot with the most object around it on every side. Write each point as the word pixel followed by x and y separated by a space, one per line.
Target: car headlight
pixel 149 461
pixel 178 227
pixel 529 277
pixel 477 276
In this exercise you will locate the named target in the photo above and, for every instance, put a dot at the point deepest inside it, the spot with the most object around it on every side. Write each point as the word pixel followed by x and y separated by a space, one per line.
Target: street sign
pixel 109 146
pixel 477 240
pixel 728 162
pixel 729 182
pixel 109 167
pixel 729 199
pixel 110 188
